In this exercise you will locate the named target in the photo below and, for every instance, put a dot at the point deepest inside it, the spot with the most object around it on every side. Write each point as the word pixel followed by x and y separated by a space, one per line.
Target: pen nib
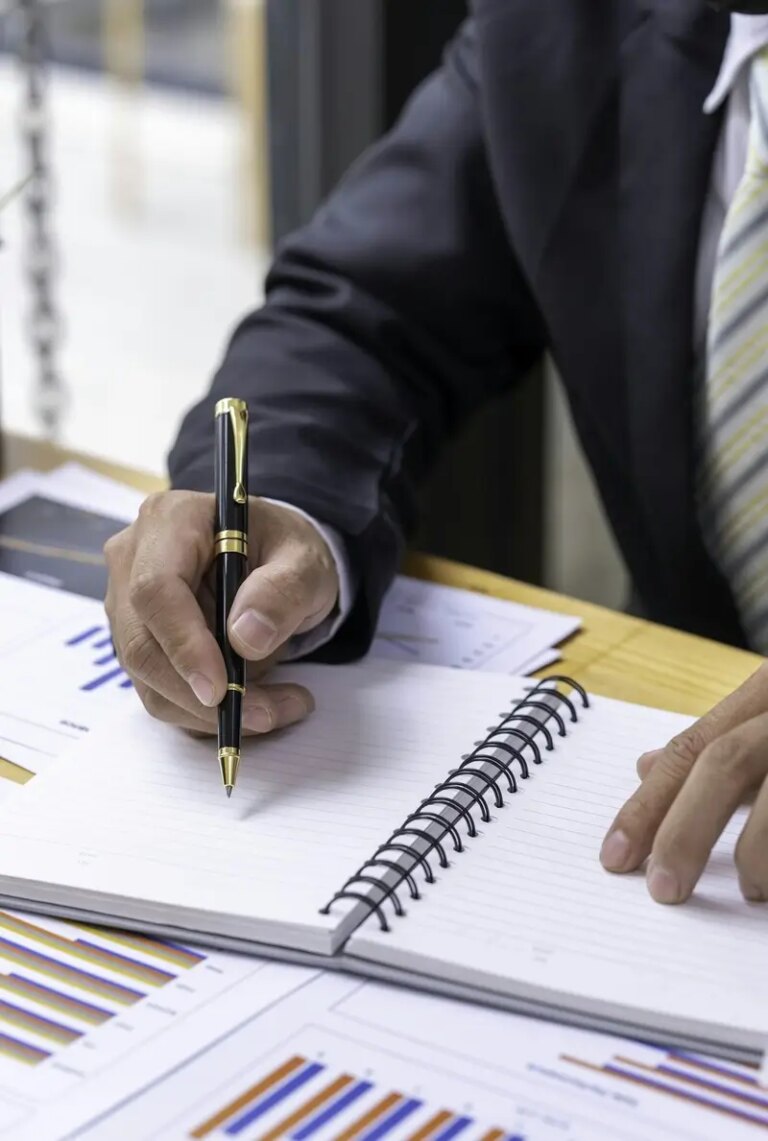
pixel 229 790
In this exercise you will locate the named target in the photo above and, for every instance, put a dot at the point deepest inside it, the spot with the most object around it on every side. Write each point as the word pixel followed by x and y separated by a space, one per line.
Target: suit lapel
pixel 603 161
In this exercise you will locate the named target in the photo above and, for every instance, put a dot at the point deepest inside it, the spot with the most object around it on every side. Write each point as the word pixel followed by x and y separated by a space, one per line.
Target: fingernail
pixel 615 851
pixel 202 689
pixel 255 631
pixel 291 709
pixel 664 886
pixel 258 719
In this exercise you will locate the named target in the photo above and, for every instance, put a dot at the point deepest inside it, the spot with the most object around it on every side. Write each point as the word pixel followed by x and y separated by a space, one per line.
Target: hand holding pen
pixel 161 607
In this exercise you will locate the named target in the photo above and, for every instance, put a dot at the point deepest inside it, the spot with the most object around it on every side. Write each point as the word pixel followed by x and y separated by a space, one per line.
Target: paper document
pixel 340 1059
pixel 443 626
pixel 88 1016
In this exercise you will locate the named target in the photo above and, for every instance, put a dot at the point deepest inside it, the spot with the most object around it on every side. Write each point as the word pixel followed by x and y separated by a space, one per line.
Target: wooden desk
pixel 614 654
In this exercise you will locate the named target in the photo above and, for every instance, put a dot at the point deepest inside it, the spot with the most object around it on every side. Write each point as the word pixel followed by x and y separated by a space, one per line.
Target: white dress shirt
pixel 749 35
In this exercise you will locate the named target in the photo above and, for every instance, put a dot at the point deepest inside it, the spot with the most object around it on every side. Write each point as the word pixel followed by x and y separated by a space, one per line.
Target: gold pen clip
pixel 237 410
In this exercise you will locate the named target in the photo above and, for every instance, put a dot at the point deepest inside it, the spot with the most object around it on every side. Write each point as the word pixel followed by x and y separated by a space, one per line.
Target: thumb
pixel 294 589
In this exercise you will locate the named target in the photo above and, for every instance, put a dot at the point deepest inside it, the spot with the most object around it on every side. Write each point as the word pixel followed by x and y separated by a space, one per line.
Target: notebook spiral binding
pixel 386 873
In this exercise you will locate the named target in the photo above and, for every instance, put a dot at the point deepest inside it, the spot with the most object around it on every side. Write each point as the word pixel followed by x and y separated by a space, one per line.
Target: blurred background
pixel 174 142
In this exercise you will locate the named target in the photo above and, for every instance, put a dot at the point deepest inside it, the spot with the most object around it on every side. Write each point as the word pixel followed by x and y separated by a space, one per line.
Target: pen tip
pixel 229 790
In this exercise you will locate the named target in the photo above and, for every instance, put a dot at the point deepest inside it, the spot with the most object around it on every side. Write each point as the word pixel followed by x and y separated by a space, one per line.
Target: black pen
pixel 231 552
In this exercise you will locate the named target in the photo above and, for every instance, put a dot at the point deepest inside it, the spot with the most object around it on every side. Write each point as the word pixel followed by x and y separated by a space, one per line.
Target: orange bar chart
pixel 60 981
pixel 301 1098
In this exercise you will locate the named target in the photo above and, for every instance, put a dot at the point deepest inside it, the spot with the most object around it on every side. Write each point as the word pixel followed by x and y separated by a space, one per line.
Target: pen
pixel 231 553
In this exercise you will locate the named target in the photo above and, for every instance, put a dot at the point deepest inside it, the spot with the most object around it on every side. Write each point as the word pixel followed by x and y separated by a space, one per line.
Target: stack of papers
pixel 106 1035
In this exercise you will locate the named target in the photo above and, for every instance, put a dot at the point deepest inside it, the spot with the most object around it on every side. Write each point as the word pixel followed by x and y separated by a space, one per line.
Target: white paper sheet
pixel 340 1051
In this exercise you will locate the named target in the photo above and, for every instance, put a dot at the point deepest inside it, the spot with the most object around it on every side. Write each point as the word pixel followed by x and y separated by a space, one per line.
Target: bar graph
pixel 97 637
pixel 82 680
pixel 304 1097
pixel 728 1090
pixel 61 982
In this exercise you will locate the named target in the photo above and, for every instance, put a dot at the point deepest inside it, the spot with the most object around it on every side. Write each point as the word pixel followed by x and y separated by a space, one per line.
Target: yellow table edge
pixel 614 654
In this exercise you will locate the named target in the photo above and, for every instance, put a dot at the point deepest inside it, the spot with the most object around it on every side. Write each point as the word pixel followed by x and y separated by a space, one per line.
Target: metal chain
pixel 45 322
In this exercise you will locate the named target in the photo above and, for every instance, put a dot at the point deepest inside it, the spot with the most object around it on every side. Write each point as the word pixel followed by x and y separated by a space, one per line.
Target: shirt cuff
pixel 300 645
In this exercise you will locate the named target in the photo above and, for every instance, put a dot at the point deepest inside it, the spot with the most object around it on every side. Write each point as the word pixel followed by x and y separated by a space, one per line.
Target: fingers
pixel 716 786
pixel 294 588
pixel 159 607
pixel 752 851
pixel 167 571
pixel 646 762
pixel 630 837
pixel 160 633
pixel 265 709
pixel 663 773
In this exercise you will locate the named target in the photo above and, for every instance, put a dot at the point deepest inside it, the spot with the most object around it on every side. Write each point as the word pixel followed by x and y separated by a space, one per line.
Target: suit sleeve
pixel 388 320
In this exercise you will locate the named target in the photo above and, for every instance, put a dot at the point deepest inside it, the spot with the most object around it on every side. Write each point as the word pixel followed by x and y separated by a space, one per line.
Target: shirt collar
pixel 749 35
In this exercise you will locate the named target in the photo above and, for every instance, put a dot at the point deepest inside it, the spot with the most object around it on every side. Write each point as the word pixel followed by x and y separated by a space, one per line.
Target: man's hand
pixel 690 790
pixel 160 607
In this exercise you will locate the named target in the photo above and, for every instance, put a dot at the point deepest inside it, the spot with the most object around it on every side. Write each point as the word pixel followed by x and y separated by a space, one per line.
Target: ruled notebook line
pixel 147 819
pixel 531 901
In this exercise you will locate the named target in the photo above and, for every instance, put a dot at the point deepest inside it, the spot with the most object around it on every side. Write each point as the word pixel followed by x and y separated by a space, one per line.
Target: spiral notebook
pixel 425 826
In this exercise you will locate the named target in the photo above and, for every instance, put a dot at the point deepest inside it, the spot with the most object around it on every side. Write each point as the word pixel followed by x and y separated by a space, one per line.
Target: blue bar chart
pixel 98 638
pixel 303 1098
pixel 724 1090
pixel 84 683
pixel 60 982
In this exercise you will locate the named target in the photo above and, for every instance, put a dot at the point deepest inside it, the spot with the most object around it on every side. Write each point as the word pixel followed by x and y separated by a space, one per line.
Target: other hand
pixel 690 790
pixel 160 607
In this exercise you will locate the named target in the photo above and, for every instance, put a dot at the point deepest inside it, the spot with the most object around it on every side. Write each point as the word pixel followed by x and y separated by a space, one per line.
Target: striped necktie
pixel 733 478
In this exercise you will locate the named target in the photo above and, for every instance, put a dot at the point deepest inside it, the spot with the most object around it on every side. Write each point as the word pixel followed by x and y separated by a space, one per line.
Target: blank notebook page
pixel 528 910
pixel 135 822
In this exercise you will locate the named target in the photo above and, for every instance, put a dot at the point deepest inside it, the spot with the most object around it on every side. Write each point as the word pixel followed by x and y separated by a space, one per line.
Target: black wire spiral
pixel 358 887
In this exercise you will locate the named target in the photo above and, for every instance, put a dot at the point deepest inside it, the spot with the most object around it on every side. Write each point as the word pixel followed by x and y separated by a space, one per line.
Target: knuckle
pixel 137 652
pixel 683 751
pixel 115 547
pixel 153 504
pixel 289 583
pixel 731 756
pixel 146 593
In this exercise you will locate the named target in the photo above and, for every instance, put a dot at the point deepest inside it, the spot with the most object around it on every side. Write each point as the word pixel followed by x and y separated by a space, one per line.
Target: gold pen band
pixel 229 751
pixel 230 535
pixel 231 547
pixel 235 688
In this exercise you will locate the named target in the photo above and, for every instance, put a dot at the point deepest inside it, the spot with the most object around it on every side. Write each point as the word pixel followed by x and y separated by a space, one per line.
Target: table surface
pixel 614 654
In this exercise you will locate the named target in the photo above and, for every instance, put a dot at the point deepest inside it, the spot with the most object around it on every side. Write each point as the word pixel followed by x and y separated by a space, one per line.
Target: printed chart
pixel 64 640
pixel 439 625
pixel 314 1095
pixel 107 670
pixel 327 1086
pixel 78 1002
pixel 723 1090
pixel 343 1060
pixel 59 983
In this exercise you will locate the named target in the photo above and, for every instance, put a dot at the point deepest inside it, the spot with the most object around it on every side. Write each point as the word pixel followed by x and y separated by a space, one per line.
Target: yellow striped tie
pixel 733 484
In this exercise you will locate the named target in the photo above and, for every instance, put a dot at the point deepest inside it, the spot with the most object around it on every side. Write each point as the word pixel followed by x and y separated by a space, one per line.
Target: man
pixel 557 186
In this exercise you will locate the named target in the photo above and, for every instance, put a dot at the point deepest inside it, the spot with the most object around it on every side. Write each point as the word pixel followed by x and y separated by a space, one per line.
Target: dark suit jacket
pixel 542 191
